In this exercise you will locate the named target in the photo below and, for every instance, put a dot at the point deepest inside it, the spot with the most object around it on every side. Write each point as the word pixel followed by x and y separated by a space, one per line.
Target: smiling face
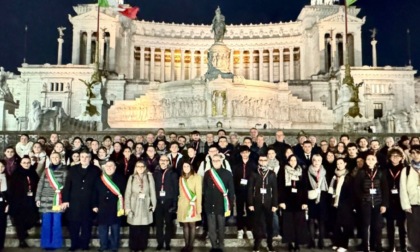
pixel 341 165
pixel 55 158
pixel 140 167
pixel 110 168
pixel 316 161
pixel 75 157
pixel 186 168
pixel 371 161
pixel 164 162
pixel 9 152
pixel 293 162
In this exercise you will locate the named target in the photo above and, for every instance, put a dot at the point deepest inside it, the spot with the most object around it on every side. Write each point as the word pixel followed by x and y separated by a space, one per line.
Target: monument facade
pixel 286 74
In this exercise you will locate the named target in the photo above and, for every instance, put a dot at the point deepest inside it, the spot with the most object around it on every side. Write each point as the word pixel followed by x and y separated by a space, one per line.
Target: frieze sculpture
pixel 219 103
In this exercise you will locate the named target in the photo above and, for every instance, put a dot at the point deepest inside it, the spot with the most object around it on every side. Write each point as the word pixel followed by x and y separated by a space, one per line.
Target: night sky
pixel 391 18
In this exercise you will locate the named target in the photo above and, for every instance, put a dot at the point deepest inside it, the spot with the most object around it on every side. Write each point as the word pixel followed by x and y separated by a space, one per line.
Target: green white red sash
pixel 57 189
pixel 116 191
pixel 192 210
pixel 221 186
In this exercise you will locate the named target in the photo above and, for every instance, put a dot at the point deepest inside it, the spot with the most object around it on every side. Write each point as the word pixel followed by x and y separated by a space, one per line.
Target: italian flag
pixel 130 12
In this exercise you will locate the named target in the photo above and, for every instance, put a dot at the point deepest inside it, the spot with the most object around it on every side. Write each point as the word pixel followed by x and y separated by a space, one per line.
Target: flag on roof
pixel 350 2
pixel 130 12
pixel 108 3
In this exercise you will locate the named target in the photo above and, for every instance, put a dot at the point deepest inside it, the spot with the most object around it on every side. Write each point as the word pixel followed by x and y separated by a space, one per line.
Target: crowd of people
pixel 300 194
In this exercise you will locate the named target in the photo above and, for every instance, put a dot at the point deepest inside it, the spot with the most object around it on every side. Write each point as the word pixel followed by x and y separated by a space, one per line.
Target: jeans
pixel 276 225
pixel 109 242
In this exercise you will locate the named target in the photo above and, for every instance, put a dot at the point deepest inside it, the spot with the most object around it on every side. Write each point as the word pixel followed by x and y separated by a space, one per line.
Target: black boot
pixel 23 244
pixel 321 244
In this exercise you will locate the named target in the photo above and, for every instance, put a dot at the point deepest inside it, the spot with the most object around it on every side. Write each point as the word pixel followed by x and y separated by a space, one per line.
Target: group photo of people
pixel 335 194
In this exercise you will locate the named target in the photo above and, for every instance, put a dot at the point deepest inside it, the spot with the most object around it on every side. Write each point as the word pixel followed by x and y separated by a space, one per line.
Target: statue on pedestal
pixel 218 26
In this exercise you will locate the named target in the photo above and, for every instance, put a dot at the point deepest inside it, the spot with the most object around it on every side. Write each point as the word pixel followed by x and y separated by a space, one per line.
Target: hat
pixel 195 132
pixel 404 138
pixel 415 147
pixel 301 133
pixel 243 148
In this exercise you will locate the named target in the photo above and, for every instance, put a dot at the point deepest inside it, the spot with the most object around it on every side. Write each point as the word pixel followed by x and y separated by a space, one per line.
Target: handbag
pixel 313 194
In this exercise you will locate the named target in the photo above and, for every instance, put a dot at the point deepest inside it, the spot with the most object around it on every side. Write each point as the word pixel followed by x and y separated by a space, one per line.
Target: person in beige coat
pixel 189 203
pixel 140 202
pixel 410 197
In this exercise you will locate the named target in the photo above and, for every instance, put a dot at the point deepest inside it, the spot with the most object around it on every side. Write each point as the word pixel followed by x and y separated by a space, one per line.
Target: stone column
pixel 89 48
pixel 281 63
pixel 374 57
pixel 232 69
pixel 291 64
pixel 260 65
pixel 241 62
pixel 172 64
pixel 202 63
pixel 302 62
pixel 192 65
pixel 60 50
pixel 182 64
pixel 75 56
pixel 152 64
pixel 162 65
pixel 142 62
pixel 251 64
pixel 270 65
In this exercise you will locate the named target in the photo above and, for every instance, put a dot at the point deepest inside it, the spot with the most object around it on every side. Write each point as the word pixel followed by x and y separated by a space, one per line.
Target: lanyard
pixel 192 160
pixel 29 183
pixel 394 177
pixel 151 160
pixel 140 179
pixel 294 184
pixel 126 166
pixel 244 170
pixel 264 176
pixel 197 145
pixel 163 179
pixel 372 178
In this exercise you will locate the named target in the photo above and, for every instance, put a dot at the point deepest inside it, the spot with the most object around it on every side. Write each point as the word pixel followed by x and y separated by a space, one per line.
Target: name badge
pixel 162 193
pixel 142 196
pixel 1 199
pixel 244 181
pixel 30 194
pixel 372 191
pixel 263 190
pixel 394 191
pixel 294 190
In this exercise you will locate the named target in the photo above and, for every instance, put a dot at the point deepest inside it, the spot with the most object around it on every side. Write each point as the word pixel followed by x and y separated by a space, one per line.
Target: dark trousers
pixel 263 224
pixel 371 217
pixel 3 224
pixel 216 229
pixel 241 210
pixel 341 235
pixel 80 234
pixel 163 220
pixel 106 241
pixel 390 229
pixel 413 227
pixel 138 237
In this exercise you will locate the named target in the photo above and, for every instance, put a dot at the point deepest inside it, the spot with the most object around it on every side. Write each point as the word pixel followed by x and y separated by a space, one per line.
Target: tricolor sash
pixel 116 191
pixel 56 186
pixel 219 184
pixel 192 211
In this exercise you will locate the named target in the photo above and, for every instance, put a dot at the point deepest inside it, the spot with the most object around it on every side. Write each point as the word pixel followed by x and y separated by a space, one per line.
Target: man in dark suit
pixel 77 198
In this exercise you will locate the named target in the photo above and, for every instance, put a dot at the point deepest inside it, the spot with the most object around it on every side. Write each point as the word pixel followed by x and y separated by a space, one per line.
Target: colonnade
pixel 170 64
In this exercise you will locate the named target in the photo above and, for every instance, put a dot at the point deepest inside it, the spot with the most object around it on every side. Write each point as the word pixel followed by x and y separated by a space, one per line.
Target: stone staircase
pixel 231 240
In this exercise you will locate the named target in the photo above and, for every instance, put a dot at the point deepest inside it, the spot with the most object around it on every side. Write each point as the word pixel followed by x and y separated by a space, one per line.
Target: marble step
pixel 178 242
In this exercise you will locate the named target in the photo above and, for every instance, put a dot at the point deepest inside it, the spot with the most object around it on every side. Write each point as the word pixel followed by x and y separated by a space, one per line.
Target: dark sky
pixel 390 17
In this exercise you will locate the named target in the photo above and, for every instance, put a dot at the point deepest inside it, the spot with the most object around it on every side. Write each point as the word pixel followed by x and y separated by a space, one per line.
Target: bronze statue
pixel 218 26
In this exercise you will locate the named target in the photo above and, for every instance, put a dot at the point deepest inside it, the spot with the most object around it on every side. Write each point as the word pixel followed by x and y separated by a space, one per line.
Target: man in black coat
pixel 106 204
pixel 280 146
pixel 262 200
pixel 167 191
pixel 242 171
pixel 77 199
pixel 215 201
